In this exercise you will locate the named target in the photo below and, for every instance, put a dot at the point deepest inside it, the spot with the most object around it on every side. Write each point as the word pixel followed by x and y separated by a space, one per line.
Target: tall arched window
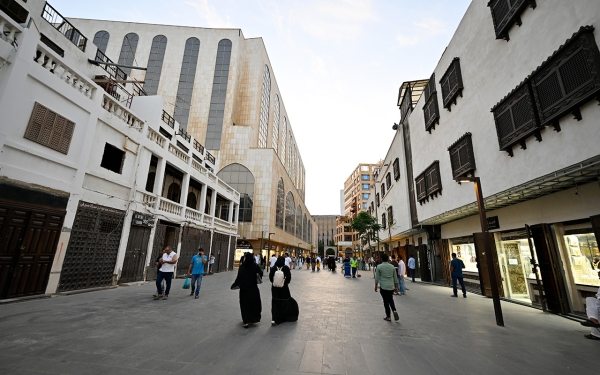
pixel 310 232
pixel 304 228
pixel 192 202
pixel 263 129
pixel 219 93
pixel 155 63
pixel 298 221
pixel 275 141
pixel 290 224
pixel 283 139
pixel 127 55
pixel 290 155
pixel 186 83
pixel 279 213
pixel 101 40
pixel 241 179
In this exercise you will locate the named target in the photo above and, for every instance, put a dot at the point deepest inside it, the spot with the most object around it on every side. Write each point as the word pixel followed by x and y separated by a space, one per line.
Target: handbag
pixel 186 283
pixel 258 279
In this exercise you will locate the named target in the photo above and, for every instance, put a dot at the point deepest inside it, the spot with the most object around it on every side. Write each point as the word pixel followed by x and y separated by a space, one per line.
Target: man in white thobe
pixel 592 309
pixel 272 261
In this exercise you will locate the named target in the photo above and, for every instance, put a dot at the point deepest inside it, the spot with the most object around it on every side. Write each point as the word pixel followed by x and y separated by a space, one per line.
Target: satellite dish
pixel 395 127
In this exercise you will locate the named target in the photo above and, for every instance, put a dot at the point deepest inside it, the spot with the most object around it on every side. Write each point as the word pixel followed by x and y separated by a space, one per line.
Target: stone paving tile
pixel 340 331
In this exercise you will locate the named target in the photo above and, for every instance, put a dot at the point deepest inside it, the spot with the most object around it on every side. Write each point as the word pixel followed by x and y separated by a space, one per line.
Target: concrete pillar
pixel 203 198
pixel 159 179
pixel 185 188
pixel 230 218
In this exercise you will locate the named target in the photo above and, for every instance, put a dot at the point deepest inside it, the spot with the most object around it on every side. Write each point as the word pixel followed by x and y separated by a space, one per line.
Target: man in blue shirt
pixel 412 267
pixel 456 267
pixel 196 269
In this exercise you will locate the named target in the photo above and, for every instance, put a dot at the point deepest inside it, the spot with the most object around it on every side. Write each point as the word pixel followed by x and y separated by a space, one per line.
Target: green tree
pixel 367 228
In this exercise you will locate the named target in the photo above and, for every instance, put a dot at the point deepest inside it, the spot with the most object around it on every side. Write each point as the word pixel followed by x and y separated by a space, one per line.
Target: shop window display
pixel 517 272
pixel 584 257
pixel 466 253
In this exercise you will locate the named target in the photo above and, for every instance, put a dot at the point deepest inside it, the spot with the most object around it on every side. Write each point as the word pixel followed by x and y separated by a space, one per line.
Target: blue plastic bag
pixel 186 283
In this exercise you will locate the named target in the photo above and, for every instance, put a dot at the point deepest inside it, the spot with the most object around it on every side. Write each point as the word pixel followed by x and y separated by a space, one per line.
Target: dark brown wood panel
pixel 135 254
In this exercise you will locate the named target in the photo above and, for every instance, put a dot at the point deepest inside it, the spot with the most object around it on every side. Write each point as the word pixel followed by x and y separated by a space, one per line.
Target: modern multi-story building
pixel 326 228
pixel 95 182
pixel 221 88
pixel 358 188
pixel 516 107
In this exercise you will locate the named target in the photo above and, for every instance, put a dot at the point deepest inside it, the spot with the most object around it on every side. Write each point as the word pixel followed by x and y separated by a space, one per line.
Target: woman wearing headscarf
pixel 250 304
pixel 283 307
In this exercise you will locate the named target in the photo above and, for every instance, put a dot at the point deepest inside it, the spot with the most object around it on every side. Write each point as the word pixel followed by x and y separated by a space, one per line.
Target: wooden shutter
pixel 50 129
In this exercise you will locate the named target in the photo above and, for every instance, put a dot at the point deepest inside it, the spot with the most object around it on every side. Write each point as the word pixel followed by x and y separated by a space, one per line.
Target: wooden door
pixel 445 256
pixel 550 266
pixel 484 272
pixel 158 245
pixel 424 263
pixel 135 254
pixel 28 240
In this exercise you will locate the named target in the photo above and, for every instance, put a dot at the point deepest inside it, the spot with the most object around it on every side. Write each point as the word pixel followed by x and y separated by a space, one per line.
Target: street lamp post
pixel 268 252
pixel 487 247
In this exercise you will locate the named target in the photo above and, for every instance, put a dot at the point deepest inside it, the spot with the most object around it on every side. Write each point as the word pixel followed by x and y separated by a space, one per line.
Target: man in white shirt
pixel 211 264
pixel 401 273
pixel 272 260
pixel 168 261
pixel 257 259
pixel 411 267
pixel 288 260
pixel 592 309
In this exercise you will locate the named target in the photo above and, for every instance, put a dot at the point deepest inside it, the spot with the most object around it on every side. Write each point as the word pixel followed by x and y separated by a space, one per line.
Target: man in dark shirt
pixel 456 267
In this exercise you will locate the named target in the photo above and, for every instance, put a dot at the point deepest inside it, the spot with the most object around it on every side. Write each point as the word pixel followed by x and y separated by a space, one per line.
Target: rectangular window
pixel 364 206
pixel 366 177
pixel 462 159
pixel 366 187
pixel 505 13
pixel 429 183
pixel 451 84
pixel 383 221
pixel 383 189
pixel 377 199
pixel 584 255
pixel 516 119
pixel 366 195
pixel 388 180
pixel 396 166
pixel 112 158
pixel 49 129
pixel 390 215
pixel 431 108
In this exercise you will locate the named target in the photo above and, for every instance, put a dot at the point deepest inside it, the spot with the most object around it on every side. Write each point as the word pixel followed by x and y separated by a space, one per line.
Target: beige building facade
pixel 220 87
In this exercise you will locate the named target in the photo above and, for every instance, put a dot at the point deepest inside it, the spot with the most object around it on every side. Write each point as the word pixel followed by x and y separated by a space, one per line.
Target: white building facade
pixel 221 87
pixel 94 183
pixel 516 106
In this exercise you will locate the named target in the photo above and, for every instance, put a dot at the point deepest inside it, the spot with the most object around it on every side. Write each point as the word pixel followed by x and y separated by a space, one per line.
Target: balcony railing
pixel 119 111
pixel 64 27
pixel 168 119
pixel 210 158
pixel 198 147
pixel 8 28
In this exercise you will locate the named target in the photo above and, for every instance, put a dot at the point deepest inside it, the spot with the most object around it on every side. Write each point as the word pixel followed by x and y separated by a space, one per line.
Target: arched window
pixel 289 213
pixel 192 201
pixel 174 192
pixel 101 40
pixel 155 63
pixel 219 94
pixel 304 229
pixel 186 82
pixel 298 221
pixel 263 129
pixel 279 213
pixel 283 139
pixel 127 55
pixel 310 233
pixel 275 141
pixel 241 179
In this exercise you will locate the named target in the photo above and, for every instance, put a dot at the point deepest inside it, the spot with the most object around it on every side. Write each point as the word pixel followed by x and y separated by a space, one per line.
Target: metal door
pixel 28 240
pixel 549 263
pixel 424 263
pixel 93 247
pixel 135 254
pixel 220 248
pixel 157 246
pixel 232 245
pixel 190 241
pixel 481 258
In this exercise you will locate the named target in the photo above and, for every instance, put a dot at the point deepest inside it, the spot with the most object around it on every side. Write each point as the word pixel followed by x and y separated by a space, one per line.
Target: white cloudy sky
pixel 339 64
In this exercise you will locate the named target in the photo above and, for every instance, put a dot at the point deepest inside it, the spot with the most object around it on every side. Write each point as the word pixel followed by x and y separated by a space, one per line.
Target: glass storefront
pixel 584 257
pixel 466 253
pixel 514 257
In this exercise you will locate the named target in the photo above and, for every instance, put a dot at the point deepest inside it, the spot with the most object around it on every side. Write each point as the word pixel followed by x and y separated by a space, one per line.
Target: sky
pixel 339 65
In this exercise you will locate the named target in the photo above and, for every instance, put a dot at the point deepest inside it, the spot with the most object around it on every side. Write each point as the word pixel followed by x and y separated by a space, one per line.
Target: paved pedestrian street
pixel 340 331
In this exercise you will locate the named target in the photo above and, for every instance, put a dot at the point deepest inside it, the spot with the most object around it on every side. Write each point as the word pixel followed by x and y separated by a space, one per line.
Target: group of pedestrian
pixel 283 307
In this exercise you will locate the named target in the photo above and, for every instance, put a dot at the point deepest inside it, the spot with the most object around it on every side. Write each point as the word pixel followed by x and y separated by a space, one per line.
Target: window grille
pixel 429 183
pixel 506 13
pixel 396 167
pixel 383 189
pixel 451 84
pixel 390 215
pixel 264 109
pixel 388 180
pixel 462 159
pixel 383 221
pixel 431 109
pixel 50 129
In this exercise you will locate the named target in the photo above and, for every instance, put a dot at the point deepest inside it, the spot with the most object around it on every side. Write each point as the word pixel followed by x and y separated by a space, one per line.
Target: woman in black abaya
pixel 283 307
pixel 250 304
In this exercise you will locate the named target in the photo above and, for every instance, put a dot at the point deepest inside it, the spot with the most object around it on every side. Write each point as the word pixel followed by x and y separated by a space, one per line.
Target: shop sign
pixel 344 243
pixel 244 245
pixel 493 222
pixel 143 220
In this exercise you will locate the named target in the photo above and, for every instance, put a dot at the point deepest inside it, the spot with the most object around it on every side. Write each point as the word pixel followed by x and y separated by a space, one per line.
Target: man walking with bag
pixel 196 270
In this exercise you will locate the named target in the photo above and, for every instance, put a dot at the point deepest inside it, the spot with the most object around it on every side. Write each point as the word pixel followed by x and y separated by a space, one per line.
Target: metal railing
pixel 64 27
pixel 183 134
pixel 168 119
pixel 210 157
pixel 114 71
pixel 198 147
